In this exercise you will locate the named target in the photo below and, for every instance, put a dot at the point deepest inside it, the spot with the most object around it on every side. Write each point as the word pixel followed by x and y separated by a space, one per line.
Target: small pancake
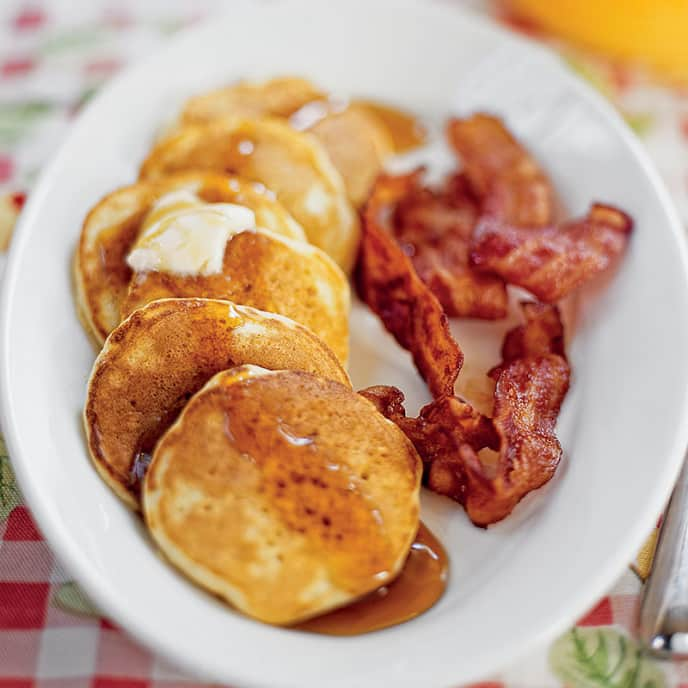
pixel 269 272
pixel 286 494
pixel 163 354
pixel 291 163
pixel 358 145
pixel 356 141
pixel 280 97
pixel 110 229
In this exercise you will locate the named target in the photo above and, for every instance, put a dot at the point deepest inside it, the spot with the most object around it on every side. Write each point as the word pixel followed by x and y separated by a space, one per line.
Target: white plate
pixel 624 424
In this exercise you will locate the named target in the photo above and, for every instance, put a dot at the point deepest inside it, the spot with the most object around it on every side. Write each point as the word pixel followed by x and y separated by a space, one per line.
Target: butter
pixel 184 235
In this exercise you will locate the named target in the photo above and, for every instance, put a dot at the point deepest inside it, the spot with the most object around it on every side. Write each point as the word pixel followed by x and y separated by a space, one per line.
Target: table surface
pixel 54 54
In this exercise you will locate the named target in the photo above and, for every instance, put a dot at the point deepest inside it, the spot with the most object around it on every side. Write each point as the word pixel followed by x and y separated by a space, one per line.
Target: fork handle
pixel 663 624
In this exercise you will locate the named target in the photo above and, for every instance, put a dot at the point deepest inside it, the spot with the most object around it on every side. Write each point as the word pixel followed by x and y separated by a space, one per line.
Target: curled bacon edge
pixel 531 383
pixel 388 283
pixel 551 262
pixel 434 227
pixel 514 241
pixel 506 178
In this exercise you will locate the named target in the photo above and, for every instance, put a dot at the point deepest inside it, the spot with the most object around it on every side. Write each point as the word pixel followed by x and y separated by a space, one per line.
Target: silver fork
pixel 663 624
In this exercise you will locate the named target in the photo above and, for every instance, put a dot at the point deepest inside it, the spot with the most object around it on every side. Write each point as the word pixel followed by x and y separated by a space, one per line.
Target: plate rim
pixel 68 553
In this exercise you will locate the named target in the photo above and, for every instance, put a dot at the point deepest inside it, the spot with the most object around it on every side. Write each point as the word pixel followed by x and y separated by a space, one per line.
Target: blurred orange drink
pixel 653 32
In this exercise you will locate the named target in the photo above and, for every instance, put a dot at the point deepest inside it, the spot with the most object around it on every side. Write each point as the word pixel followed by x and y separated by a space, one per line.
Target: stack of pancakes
pixel 218 405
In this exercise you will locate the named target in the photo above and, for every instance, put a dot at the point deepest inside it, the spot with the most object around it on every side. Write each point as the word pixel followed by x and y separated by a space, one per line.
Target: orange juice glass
pixel 652 32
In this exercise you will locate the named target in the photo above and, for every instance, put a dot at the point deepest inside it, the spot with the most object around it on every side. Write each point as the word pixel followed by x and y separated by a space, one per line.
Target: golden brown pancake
pixel 101 273
pixel 268 272
pixel 280 97
pixel 284 493
pixel 356 141
pixel 291 163
pixel 164 353
pixel 358 145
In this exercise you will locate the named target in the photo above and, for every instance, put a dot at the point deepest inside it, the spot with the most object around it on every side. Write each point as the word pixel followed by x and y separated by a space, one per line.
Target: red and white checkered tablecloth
pixel 54 54
pixel 48 636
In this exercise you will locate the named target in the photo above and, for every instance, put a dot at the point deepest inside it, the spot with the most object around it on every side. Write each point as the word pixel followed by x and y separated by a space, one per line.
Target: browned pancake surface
pixel 291 163
pixel 293 279
pixel 356 141
pixel 112 226
pixel 358 145
pixel 163 354
pixel 283 492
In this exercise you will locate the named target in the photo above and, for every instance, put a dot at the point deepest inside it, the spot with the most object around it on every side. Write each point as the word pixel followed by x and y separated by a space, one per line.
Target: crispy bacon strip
pixel 388 283
pixel 542 333
pixel 528 396
pixel 443 424
pixel 551 262
pixel 449 433
pixel 460 421
pixel 503 175
pixel 435 228
pixel 389 401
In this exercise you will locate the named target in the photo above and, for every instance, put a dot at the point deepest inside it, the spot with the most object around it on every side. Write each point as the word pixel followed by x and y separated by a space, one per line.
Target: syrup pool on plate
pixel 417 588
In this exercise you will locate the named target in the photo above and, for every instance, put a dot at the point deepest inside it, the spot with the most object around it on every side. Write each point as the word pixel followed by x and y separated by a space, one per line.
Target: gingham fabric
pixel 53 56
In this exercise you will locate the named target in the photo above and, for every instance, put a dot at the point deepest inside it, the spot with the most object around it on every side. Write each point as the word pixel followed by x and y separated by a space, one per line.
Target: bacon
pixel 442 425
pixel 458 422
pixel 506 179
pixel 450 435
pixel 388 283
pixel 542 333
pixel 528 395
pixel 492 222
pixel 435 228
pixel 551 262
pixel 389 401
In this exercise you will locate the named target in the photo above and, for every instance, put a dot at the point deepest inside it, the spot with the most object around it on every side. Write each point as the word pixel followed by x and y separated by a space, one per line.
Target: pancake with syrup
pixel 161 355
pixel 188 248
pixel 356 141
pixel 111 228
pixel 358 145
pixel 291 163
pixel 281 97
pixel 284 493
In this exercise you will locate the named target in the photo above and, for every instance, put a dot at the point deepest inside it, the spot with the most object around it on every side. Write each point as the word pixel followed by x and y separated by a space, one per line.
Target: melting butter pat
pixel 186 236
